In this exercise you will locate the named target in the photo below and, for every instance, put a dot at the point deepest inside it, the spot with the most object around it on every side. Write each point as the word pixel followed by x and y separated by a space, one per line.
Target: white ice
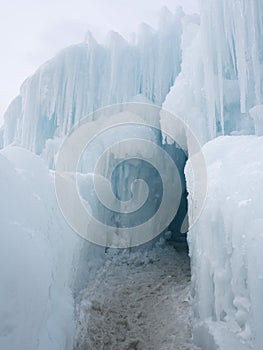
pixel 226 246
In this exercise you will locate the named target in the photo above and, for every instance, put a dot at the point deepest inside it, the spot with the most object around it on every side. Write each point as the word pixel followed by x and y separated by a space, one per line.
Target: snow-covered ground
pixel 140 300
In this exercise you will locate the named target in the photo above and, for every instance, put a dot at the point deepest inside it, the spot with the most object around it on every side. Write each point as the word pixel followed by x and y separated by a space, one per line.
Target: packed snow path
pixel 139 301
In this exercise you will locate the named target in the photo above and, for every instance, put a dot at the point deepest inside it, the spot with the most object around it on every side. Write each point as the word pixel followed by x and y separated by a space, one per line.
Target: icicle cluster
pixel 222 72
pixel 85 77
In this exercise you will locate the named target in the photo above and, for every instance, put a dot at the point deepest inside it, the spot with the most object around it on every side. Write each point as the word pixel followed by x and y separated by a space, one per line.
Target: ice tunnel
pixel 130 178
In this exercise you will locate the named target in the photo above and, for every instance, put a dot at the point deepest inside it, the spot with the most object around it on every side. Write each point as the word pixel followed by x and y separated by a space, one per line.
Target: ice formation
pixel 36 255
pixel 221 78
pixel 39 256
pixel 219 92
pixel 208 70
pixel 226 247
pixel 87 76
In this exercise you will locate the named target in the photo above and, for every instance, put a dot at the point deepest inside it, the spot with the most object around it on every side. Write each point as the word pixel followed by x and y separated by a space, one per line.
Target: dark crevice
pixel 178 235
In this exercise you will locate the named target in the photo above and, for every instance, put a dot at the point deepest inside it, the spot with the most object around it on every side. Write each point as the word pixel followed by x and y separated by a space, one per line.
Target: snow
pixel 226 246
pixel 140 300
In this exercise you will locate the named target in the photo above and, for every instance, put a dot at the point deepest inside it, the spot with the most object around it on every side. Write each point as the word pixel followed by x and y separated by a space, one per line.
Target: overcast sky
pixel 32 31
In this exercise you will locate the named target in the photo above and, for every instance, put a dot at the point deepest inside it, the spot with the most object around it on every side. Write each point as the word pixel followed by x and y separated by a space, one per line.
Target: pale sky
pixel 32 31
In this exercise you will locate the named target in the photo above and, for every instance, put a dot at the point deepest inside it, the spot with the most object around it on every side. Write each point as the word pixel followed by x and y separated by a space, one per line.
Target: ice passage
pixel 60 292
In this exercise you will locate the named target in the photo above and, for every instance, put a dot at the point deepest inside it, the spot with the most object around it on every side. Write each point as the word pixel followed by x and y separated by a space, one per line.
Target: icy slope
pixel 226 246
pixel 85 77
pixel 36 255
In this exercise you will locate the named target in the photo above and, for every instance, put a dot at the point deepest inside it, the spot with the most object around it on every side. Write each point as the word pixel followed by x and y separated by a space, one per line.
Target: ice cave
pixel 131 190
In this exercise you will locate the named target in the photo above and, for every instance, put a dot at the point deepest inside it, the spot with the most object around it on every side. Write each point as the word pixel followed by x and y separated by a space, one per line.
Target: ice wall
pixel 219 91
pixel 222 72
pixel 87 76
pixel 226 246
pixel 36 258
